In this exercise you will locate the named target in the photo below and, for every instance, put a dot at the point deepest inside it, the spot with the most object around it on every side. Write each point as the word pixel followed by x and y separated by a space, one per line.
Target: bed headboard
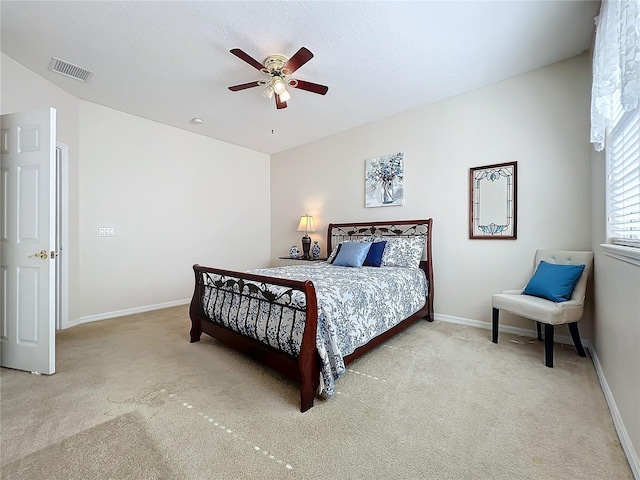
pixel 338 232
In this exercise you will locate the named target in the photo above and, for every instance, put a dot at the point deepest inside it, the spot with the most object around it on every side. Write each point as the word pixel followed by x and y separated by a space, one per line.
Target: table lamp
pixel 306 226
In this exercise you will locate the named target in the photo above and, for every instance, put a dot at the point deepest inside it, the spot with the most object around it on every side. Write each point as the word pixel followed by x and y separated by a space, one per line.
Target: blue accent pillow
pixel 554 282
pixel 352 254
pixel 374 257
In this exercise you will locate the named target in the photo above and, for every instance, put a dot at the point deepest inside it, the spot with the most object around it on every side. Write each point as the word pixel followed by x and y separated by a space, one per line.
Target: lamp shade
pixel 306 224
pixel 285 96
pixel 268 92
pixel 278 86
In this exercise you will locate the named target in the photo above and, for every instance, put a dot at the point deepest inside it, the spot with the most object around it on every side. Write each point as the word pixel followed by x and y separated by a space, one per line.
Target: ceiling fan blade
pixel 301 57
pixel 247 58
pixel 280 104
pixel 311 87
pixel 235 88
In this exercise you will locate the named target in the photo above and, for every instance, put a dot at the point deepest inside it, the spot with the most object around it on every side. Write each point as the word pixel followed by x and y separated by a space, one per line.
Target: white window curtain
pixel 616 65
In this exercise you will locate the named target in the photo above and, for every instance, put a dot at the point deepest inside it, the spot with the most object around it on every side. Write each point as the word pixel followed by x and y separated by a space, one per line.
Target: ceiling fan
pixel 279 69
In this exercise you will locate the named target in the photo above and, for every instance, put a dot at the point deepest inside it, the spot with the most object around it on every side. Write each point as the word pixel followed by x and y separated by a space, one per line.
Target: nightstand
pixel 287 261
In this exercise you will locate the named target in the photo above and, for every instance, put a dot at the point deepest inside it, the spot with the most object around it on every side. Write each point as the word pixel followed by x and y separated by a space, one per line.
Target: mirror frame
pixel 494 231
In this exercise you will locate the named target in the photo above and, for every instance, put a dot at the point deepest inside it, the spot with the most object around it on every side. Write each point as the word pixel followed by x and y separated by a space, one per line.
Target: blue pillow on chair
pixel 554 282
pixel 374 257
pixel 352 254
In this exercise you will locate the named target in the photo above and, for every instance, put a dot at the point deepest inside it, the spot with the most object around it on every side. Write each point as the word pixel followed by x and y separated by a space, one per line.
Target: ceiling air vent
pixel 69 69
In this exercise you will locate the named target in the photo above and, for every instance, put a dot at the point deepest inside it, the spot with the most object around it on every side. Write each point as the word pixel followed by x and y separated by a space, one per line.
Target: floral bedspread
pixel 354 305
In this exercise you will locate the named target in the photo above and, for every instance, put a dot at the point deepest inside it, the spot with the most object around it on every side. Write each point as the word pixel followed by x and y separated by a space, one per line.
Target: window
pixel 623 179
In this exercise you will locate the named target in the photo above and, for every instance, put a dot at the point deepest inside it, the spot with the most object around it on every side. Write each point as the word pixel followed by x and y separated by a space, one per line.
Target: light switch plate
pixel 106 232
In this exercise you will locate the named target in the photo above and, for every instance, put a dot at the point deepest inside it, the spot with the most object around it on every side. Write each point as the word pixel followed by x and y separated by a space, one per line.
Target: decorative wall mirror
pixel 494 205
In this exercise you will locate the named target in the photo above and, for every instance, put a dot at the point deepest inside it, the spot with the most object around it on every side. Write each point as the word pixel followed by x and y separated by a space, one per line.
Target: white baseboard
pixel 625 441
pixel 128 311
pixel 507 329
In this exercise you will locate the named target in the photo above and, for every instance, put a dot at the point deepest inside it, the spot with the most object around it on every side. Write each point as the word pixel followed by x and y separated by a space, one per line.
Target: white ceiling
pixel 170 61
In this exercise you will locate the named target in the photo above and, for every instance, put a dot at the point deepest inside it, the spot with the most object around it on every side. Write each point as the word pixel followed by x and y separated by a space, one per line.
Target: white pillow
pixel 403 251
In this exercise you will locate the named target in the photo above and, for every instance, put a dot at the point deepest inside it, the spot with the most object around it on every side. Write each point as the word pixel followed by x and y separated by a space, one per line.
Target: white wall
pixel 539 119
pixel 616 322
pixel 174 198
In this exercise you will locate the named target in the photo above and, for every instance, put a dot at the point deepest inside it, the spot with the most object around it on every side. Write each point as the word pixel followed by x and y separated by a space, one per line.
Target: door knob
pixel 42 254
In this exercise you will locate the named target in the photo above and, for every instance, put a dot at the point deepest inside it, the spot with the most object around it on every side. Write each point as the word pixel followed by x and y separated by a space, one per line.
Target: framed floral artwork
pixel 384 180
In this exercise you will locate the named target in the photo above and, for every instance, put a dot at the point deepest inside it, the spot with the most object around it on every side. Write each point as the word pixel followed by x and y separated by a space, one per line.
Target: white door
pixel 27 238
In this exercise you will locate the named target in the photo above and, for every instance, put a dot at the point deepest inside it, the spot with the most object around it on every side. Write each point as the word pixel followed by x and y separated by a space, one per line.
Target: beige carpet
pixel 112 446
pixel 134 399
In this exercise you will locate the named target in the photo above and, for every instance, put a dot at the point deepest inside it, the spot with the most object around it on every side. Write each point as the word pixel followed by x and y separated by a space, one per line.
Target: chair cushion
pixel 554 282
pixel 540 309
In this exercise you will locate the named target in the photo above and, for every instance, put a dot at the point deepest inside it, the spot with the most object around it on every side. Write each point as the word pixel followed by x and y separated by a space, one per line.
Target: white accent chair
pixel 545 311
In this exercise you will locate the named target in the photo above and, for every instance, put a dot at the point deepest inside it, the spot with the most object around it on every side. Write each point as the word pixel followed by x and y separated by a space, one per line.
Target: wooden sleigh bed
pixel 223 300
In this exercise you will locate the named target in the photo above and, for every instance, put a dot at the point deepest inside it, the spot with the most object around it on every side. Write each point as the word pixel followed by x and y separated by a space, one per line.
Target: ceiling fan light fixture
pixel 285 96
pixel 268 92
pixel 279 86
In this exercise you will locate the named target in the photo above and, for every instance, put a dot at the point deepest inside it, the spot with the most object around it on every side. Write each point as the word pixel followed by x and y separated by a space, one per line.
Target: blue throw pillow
pixel 374 257
pixel 554 282
pixel 352 254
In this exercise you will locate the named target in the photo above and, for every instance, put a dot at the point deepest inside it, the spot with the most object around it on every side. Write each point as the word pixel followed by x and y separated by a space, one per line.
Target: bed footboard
pixel 220 305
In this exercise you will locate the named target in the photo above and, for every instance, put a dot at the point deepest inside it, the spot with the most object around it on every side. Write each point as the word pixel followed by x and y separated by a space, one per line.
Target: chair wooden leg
pixel 575 334
pixel 539 329
pixel 494 328
pixel 548 345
